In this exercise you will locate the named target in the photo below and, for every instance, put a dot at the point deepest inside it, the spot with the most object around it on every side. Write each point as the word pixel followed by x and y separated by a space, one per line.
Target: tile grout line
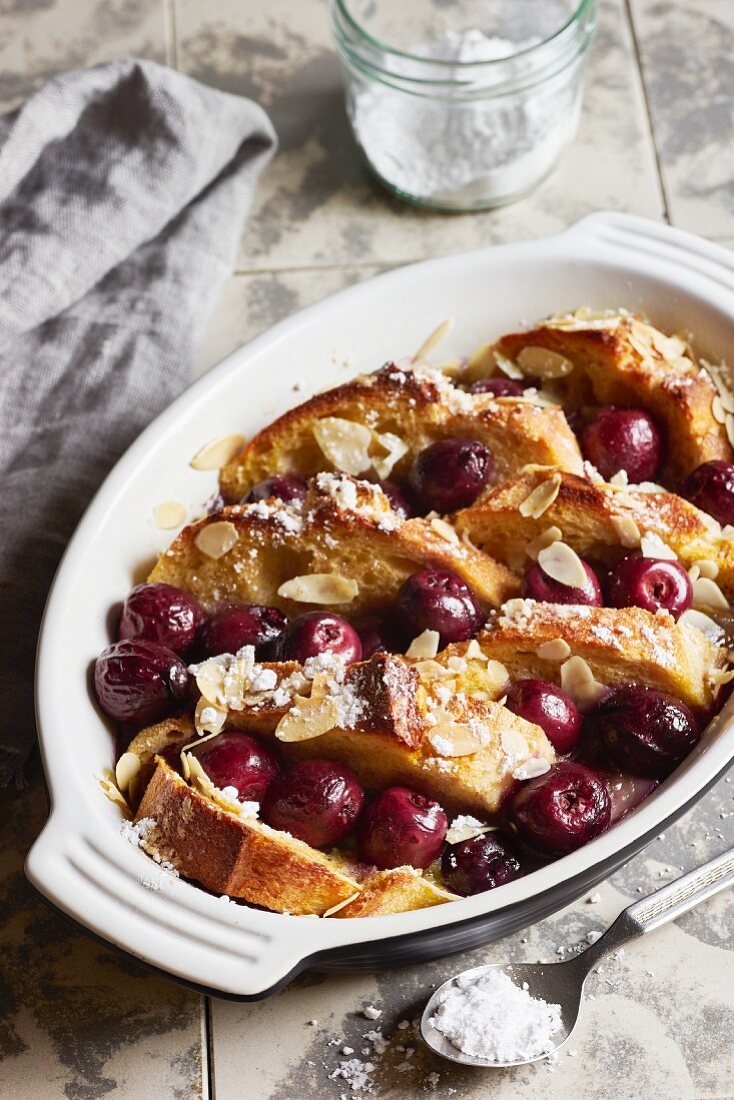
pixel 648 109
pixel 169 22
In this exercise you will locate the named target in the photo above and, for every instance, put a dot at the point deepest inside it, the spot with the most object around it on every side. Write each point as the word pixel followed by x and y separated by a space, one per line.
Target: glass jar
pixel 463 104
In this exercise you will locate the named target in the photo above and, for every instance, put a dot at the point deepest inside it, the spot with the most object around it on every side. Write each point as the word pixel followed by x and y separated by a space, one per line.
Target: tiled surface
pixel 80 1022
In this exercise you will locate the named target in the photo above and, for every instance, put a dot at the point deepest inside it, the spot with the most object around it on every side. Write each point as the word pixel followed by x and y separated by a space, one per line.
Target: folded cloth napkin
pixel 123 190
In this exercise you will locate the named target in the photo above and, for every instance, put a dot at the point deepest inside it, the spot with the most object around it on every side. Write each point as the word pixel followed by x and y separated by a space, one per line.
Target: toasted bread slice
pixel 621 360
pixel 619 645
pixel 241 857
pixel 396 891
pixel 364 544
pixel 412 408
pixel 593 517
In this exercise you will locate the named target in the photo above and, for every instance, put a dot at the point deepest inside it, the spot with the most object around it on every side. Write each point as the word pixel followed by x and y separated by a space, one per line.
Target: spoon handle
pixel 662 906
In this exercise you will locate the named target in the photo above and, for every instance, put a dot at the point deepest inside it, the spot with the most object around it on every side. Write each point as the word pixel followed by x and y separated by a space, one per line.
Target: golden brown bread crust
pixel 585 512
pixel 631 363
pixel 239 857
pixel 619 645
pixel 397 891
pixel 418 406
pixel 275 544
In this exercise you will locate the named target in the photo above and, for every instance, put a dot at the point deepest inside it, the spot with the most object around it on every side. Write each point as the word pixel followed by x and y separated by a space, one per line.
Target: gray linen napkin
pixel 123 190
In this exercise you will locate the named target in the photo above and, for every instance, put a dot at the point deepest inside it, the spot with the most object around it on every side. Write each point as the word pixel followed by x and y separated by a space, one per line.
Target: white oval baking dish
pixel 80 862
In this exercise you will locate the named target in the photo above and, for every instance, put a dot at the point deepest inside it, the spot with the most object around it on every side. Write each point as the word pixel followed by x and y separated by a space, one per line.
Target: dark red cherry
pixel 450 474
pixel 160 613
pixel 289 488
pixel 644 731
pixel 651 583
pixel 139 681
pixel 400 828
pixel 560 811
pixel 499 387
pixel 238 760
pixel 625 791
pixel 539 586
pixel 398 503
pixel 375 638
pixel 437 599
pixel 711 488
pixel 623 439
pixel 479 864
pixel 549 707
pixel 228 629
pixel 316 633
pixel 317 801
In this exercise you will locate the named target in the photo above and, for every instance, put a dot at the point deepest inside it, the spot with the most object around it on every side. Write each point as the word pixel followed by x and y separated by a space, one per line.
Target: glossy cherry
pixel 540 586
pixel 228 629
pixel 138 681
pixel 625 791
pixel 317 801
pixel 560 811
pixel 234 759
pixel 450 474
pixel 644 731
pixel 499 387
pixel 623 439
pixel 318 632
pixel 397 499
pixel 652 583
pixel 437 599
pixel 711 488
pixel 402 827
pixel 160 613
pixel 289 488
pixel 549 707
pixel 479 864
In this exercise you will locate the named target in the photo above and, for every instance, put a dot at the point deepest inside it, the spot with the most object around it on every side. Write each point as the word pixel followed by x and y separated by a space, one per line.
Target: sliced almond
pixel 466 827
pixel 216 539
pixel 208 717
pixel 344 443
pixel 431 670
pixel 706 568
pixel 556 650
pixel 319 588
pixel 706 593
pixel 445 530
pixel 341 905
pixel 652 546
pixel 450 738
pixel 214 455
pixel 126 768
pixel 474 651
pixel 532 768
pixel 308 718
pixel 169 514
pixel 717 409
pixel 627 531
pixel 425 645
pixel 457 664
pixel 730 427
pixel 708 626
pixel 694 573
pixel 497 672
pixel 579 681
pixel 720 676
pixel 482 363
pixel 393 446
pixel 111 790
pixel 549 536
pixel 540 499
pixel 543 363
pixel 514 745
pixel 432 341
pixel 563 564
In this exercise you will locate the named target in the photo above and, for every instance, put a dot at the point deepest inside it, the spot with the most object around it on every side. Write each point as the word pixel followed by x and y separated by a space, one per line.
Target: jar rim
pixel 581 9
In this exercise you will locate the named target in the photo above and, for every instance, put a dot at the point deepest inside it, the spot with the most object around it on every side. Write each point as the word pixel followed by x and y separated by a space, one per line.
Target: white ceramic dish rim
pixel 243 952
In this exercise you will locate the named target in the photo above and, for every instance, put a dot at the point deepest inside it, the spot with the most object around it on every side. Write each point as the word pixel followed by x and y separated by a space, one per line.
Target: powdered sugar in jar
pixel 467 105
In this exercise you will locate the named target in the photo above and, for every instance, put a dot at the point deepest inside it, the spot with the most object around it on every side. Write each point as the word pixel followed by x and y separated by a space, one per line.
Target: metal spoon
pixel 563 983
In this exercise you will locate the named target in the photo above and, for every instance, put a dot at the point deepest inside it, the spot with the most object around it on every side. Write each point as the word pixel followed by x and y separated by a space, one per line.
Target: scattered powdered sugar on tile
pixel 491 1017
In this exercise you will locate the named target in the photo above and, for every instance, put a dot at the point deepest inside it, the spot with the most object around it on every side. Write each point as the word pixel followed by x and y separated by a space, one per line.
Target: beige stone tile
pixel 687 52
pixel 40 38
pixel 250 304
pixel 78 1020
pixel 317 204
